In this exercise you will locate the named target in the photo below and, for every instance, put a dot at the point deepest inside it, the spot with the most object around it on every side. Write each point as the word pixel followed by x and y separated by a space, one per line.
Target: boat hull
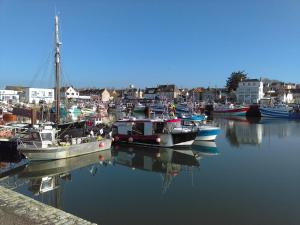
pixel 231 112
pixel 159 140
pixel 62 152
pixel 273 113
pixel 8 144
pixel 207 133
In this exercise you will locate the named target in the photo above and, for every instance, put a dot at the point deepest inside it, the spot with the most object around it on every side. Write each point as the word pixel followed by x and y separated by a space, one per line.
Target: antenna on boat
pixel 57 72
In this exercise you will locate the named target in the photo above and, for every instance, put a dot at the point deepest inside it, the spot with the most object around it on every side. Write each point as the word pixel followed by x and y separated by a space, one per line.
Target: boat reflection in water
pixel 169 162
pixel 205 148
pixel 10 162
pixel 48 176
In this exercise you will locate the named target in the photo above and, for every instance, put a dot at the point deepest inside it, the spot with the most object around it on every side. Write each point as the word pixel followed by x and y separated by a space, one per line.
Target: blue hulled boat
pixel 205 132
pixel 280 111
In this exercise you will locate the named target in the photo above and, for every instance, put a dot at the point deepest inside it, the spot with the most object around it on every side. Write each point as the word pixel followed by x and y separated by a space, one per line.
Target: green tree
pixel 234 79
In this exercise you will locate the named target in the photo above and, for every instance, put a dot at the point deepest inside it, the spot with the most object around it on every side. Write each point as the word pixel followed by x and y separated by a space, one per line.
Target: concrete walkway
pixel 18 209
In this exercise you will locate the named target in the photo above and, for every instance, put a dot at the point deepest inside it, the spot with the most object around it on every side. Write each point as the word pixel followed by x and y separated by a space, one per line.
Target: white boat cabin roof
pixel 156 120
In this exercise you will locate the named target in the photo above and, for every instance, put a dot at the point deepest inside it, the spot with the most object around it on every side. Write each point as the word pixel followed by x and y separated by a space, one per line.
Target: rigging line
pixel 46 73
pixel 36 75
pixel 49 72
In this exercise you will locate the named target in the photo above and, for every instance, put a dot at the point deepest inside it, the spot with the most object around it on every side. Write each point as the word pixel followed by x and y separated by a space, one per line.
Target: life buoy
pixel 101 145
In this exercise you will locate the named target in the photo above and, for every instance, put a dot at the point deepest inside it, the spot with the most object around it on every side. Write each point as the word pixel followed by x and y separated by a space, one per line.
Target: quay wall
pixel 17 209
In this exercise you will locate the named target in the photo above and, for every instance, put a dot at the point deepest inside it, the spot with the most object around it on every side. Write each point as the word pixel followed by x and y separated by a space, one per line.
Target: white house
pixel 249 91
pixel 104 95
pixel 35 95
pixel 69 93
pixel 9 96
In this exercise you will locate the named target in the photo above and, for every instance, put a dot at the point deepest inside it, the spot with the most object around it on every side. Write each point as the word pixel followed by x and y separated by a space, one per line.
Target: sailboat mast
pixel 57 72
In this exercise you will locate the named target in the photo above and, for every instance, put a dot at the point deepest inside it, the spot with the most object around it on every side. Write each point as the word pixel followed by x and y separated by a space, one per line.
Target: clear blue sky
pixel 148 42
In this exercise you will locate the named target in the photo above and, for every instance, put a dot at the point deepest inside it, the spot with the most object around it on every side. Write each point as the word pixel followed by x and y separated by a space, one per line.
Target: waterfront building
pixel 133 93
pixel 249 91
pixel 104 95
pixel 69 93
pixel 197 94
pixel 37 95
pixel 9 96
pixel 169 91
pixel 212 95
pixel 286 97
pixel 95 94
pixel 296 95
pixel 150 93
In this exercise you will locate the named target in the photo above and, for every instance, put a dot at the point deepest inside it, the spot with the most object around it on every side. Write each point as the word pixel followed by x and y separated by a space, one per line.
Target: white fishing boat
pixel 43 142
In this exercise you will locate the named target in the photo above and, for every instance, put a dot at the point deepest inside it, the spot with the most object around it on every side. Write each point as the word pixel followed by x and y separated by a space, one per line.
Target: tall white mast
pixel 57 72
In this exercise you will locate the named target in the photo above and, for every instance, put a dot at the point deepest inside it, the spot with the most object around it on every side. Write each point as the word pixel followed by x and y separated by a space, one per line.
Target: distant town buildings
pixel 249 91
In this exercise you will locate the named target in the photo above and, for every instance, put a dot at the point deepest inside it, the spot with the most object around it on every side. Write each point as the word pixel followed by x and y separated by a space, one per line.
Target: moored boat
pixel 230 110
pixel 153 132
pixel 280 111
pixel 207 133
pixel 139 108
pixel 204 132
pixel 42 144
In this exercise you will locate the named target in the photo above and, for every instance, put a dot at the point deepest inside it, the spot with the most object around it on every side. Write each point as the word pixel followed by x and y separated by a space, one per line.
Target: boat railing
pixel 24 143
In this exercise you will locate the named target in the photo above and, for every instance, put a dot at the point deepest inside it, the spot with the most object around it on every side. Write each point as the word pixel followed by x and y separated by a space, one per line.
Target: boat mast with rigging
pixel 57 72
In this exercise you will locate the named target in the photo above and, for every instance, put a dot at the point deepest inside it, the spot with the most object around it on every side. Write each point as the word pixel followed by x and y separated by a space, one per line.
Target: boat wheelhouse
pixel 153 132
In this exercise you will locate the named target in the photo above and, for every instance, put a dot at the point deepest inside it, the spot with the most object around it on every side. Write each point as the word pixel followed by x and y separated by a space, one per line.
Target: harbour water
pixel 250 176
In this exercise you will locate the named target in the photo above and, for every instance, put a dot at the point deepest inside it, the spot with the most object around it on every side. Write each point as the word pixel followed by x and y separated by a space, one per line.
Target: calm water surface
pixel 251 176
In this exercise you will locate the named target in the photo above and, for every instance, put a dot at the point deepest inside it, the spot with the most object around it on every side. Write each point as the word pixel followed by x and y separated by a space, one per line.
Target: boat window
pixel 46 136
pixel 35 136
pixel 171 126
pixel 158 127
pixel 138 129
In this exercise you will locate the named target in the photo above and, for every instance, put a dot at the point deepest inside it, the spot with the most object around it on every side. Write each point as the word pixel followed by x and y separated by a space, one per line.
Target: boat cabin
pixel 145 126
pixel 40 137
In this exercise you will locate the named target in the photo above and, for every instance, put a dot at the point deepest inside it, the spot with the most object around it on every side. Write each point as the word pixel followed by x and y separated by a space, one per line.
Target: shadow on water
pixel 10 162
